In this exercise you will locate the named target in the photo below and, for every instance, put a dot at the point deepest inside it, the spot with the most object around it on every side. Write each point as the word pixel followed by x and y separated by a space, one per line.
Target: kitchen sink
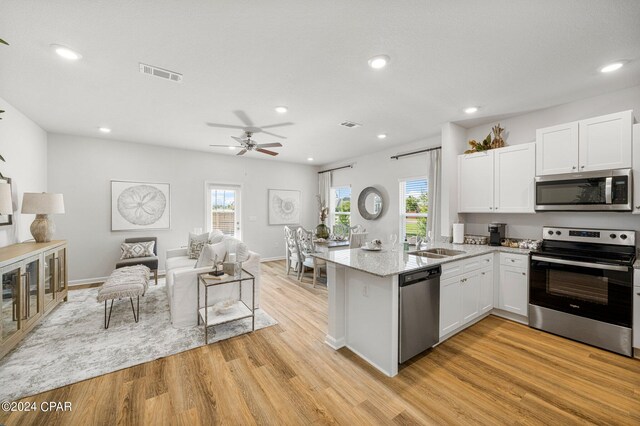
pixel 436 253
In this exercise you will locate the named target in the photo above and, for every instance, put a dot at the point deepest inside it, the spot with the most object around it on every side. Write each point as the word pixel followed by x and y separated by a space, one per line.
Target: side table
pixel 239 310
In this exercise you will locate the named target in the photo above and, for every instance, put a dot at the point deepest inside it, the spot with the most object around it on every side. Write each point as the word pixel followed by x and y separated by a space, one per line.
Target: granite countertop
pixel 388 262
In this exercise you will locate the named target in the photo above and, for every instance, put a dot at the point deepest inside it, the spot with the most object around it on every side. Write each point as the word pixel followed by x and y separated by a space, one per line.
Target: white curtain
pixel 324 187
pixel 434 168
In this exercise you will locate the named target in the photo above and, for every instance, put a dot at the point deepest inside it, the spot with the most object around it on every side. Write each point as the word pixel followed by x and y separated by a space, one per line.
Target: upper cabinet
pixel 636 171
pixel 599 143
pixel 500 180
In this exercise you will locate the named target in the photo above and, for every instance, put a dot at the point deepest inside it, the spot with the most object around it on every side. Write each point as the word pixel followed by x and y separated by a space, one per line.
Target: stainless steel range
pixel 581 286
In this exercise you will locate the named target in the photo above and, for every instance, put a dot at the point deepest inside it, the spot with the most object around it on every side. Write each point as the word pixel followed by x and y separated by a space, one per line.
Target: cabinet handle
pixel 490 208
pixel 513 260
pixel 26 295
pixel 524 273
pixel 496 207
pixel 483 273
pixel 574 167
pixel 582 167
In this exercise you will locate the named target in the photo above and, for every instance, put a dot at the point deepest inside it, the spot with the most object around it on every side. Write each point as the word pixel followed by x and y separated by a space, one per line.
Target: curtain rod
pixel 350 166
pixel 398 156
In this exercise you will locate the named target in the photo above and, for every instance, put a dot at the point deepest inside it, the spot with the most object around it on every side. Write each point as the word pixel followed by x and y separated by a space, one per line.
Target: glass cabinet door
pixel 10 314
pixel 32 277
pixel 49 278
pixel 62 270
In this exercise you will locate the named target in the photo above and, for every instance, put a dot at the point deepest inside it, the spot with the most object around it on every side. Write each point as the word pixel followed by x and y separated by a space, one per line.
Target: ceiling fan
pixel 248 144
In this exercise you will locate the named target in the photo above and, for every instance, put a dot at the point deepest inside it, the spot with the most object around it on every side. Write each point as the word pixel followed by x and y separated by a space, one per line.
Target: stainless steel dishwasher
pixel 419 311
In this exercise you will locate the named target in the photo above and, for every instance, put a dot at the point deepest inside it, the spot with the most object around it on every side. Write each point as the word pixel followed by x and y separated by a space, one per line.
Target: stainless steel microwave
pixel 590 191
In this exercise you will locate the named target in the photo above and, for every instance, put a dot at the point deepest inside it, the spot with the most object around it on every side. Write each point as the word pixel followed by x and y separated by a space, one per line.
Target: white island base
pixel 363 315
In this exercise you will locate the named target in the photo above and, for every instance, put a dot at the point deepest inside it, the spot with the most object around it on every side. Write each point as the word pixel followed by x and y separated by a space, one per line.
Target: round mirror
pixel 370 203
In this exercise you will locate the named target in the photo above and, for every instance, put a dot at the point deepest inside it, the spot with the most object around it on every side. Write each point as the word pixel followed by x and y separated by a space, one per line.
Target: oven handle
pixel 607 190
pixel 585 264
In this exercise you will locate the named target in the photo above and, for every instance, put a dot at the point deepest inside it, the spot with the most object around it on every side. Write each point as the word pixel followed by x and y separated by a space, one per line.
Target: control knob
pixel 550 232
pixel 612 235
pixel 623 236
pixel 558 232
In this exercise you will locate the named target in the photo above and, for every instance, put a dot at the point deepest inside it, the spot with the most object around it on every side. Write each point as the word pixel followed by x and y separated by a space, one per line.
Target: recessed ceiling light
pixel 379 61
pixel 66 52
pixel 281 109
pixel 612 66
pixel 104 129
pixel 470 110
pixel 382 136
pixel 232 148
pixel 310 159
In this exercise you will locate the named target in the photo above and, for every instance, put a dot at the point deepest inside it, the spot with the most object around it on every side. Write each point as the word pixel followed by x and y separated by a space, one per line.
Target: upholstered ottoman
pixel 130 281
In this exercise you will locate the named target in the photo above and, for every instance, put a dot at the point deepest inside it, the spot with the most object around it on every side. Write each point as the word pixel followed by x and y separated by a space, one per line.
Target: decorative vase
pixel 322 231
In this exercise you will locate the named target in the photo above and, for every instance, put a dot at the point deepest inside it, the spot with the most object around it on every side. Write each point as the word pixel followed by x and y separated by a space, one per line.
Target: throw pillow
pixel 195 244
pixel 133 250
pixel 215 236
pixel 210 253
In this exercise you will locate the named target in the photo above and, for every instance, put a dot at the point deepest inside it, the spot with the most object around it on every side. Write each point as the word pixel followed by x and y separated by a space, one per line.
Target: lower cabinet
pixel 636 309
pixel 513 294
pixel 486 290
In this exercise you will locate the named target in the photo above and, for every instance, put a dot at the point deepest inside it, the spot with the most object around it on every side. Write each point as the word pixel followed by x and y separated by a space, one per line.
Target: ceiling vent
pixel 160 72
pixel 350 124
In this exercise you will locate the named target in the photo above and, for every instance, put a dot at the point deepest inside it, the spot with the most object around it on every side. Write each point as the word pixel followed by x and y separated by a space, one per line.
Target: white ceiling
pixel 237 55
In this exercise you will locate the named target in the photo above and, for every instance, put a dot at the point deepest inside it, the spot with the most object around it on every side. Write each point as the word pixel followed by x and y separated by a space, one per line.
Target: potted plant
pixel 322 230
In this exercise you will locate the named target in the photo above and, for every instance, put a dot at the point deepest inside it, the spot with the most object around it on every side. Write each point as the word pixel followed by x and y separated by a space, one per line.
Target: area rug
pixel 71 343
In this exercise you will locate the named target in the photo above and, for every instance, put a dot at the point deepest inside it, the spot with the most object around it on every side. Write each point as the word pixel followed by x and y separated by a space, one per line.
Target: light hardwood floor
pixel 496 372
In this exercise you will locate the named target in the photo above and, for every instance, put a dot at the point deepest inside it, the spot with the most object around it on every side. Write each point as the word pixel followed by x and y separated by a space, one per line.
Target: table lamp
pixel 42 205
pixel 6 206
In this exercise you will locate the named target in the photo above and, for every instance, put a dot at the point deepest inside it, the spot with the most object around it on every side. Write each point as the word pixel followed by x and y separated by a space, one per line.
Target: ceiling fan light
pixel 382 136
pixel 471 110
pixel 614 66
pixel 310 159
pixel 66 52
pixel 232 148
pixel 379 61
pixel 281 109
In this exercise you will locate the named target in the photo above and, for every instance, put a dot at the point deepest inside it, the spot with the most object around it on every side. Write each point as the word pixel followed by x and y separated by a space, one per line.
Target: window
pixel 414 206
pixel 340 206
pixel 223 209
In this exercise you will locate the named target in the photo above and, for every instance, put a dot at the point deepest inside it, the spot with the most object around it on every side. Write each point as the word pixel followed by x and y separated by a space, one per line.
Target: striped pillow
pixel 133 250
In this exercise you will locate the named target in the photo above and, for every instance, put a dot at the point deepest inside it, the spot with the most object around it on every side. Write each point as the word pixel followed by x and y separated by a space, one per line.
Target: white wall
pixel 522 129
pixel 378 170
pixel 82 168
pixel 23 144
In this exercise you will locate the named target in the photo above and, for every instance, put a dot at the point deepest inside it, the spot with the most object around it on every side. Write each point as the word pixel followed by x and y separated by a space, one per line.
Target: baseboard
pixel 334 343
pixel 510 316
pixel 94 282
pixel 271 259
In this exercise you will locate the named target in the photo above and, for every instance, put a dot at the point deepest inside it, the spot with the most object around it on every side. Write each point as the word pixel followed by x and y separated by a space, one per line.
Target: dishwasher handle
pixel 419 276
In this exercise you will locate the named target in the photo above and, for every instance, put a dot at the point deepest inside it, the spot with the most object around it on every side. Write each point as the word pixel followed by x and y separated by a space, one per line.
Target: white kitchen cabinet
pixel 605 142
pixel 475 182
pixel 514 178
pixel 450 304
pixel 500 180
pixel 636 309
pixel 557 149
pixel 514 284
pixel 470 296
pixel 486 290
pixel 636 168
pixel 598 143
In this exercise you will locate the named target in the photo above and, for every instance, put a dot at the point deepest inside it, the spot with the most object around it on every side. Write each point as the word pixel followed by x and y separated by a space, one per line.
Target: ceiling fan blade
pixel 269 145
pixel 269 126
pixel 273 134
pixel 242 152
pixel 226 146
pixel 244 118
pixel 225 126
pixel 266 151
pixel 238 139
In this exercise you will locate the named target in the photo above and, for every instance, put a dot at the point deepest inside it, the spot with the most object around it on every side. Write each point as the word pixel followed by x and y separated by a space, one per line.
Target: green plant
pixel 3 42
pixel 2 158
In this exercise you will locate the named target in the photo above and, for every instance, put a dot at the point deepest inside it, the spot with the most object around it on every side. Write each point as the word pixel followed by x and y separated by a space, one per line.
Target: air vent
pixel 162 73
pixel 350 124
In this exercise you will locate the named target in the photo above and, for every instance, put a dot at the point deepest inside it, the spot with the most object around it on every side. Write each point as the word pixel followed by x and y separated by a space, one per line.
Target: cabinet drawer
pixel 478 262
pixel 452 269
pixel 517 260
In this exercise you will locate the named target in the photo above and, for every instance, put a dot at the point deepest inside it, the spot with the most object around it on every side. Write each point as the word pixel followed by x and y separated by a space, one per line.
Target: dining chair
pixel 306 247
pixel 341 230
pixel 357 229
pixel 291 248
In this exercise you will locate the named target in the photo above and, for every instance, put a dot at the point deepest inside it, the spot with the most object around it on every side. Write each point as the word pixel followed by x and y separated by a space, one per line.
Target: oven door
pixel 597 291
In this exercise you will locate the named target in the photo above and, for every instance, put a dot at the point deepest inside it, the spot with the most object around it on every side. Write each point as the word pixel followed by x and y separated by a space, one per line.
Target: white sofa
pixel 182 282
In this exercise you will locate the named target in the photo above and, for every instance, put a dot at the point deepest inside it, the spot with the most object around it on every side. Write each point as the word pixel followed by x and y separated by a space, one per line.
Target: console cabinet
pixel 33 280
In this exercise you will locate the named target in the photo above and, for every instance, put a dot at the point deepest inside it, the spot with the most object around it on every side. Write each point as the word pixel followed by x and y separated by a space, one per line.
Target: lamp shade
pixel 6 206
pixel 42 203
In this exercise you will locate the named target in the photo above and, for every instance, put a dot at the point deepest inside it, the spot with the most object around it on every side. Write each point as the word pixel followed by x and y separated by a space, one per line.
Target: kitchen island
pixel 363 297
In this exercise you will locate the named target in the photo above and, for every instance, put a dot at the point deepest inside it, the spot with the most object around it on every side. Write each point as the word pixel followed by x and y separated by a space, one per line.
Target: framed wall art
pixel 284 207
pixel 140 206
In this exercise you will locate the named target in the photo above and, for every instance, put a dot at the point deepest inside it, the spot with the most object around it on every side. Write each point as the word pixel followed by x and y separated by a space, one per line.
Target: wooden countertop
pixel 16 252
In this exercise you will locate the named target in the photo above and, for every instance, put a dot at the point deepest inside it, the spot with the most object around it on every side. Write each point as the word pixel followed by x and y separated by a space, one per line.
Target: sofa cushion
pixel 211 253
pixel 179 262
pixel 150 262
pixel 215 236
pixel 139 249
pixel 236 246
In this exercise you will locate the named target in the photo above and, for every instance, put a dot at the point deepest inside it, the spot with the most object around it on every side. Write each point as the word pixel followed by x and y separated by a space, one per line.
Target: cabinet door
pixel 61 273
pixel 557 149
pixel 515 170
pixel 450 305
pixel 12 303
pixel 514 284
pixel 49 294
pixel 30 290
pixel 636 168
pixel 605 142
pixel 486 290
pixel 475 183
pixel 470 296
pixel 636 309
